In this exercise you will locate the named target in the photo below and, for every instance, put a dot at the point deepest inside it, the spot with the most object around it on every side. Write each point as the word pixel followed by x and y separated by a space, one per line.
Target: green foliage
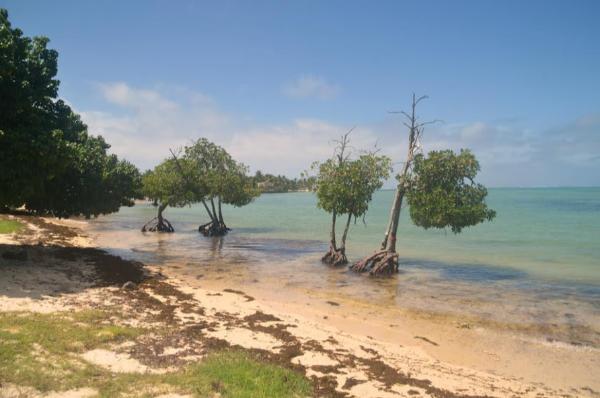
pixel 215 174
pixel 43 351
pixel 90 182
pixel 166 185
pixel 348 188
pixel 37 349
pixel 238 374
pixel 48 162
pixel 10 226
pixel 269 183
pixel 443 193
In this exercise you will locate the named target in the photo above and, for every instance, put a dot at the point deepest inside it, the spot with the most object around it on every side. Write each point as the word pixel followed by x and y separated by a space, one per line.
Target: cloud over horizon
pixel 142 124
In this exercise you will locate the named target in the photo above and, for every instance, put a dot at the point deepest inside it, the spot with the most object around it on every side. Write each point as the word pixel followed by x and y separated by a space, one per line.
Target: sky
pixel 276 82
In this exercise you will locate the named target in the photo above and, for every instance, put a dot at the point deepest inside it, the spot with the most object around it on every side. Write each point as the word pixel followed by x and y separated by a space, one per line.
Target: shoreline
pixel 330 341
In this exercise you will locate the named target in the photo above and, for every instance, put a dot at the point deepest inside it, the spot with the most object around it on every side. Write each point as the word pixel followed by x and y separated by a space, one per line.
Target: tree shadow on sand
pixel 37 271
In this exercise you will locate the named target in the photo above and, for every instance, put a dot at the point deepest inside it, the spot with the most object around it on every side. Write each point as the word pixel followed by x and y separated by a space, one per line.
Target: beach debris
pixel 129 285
pixel 425 339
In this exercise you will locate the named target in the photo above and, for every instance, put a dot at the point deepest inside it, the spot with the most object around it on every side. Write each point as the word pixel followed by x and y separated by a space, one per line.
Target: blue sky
pixel 276 82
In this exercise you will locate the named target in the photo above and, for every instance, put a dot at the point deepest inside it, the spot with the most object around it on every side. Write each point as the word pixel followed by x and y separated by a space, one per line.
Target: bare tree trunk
pixel 335 255
pixel 390 222
pixel 385 261
pixel 395 221
pixel 214 211
pixel 216 227
pixel 332 240
pixel 161 208
pixel 220 213
pixel 212 217
pixel 343 248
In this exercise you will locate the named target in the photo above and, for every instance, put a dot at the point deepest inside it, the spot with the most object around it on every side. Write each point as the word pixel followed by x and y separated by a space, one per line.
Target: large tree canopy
pixel 443 193
pixel 48 162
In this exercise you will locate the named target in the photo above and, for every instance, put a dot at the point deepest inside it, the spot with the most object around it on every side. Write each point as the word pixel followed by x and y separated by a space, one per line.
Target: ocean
pixel 537 263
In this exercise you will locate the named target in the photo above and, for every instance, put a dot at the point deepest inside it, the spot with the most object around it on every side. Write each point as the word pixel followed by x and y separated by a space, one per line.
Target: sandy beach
pixel 343 347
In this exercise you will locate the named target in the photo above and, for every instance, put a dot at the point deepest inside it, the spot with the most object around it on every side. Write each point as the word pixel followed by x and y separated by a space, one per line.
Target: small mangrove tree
pixel 440 190
pixel 344 187
pixel 164 186
pixel 215 179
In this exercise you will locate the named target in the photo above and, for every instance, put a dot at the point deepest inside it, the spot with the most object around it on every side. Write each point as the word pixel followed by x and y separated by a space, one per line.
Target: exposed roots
pixel 379 263
pixel 335 257
pixel 213 229
pixel 158 225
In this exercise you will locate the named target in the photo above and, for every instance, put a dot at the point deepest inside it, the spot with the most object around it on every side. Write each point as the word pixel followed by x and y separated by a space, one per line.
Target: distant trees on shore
pixel 269 183
pixel 48 161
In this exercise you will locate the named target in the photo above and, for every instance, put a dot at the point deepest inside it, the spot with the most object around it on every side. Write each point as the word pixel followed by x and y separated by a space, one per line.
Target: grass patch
pixel 10 226
pixel 42 351
pixel 238 374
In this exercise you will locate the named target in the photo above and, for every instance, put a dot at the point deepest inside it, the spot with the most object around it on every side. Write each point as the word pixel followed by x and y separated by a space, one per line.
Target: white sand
pixel 325 345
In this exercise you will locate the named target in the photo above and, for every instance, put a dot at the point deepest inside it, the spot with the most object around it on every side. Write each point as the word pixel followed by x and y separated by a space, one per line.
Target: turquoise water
pixel 537 262
pixel 546 233
pixel 550 233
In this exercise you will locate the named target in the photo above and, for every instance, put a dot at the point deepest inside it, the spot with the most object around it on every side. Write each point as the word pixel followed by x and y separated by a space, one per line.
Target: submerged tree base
pixel 335 257
pixel 380 263
pixel 213 229
pixel 158 225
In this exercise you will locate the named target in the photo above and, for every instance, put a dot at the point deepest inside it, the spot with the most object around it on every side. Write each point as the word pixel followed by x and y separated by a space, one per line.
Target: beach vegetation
pixel 270 183
pixel 10 226
pixel 215 179
pixel 165 186
pixel 441 192
pixel 344 187
pixel 48 161
pixel 45 352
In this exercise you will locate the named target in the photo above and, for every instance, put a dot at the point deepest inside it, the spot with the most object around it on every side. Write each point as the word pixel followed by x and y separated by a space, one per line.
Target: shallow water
pixel 535 268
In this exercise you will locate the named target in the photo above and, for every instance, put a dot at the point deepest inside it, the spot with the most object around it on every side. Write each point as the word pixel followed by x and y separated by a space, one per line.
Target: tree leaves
pixel 48 162
pixel 215 174
pixel 347 188
pixel 442 192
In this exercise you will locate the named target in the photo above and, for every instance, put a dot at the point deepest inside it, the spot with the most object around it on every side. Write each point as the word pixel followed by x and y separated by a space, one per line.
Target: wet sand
pixel 346 344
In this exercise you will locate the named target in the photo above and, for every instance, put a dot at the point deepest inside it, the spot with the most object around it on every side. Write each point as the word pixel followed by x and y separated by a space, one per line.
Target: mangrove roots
pixel 335 257
pixel 213 229
pixel 158 225
pixel 380 263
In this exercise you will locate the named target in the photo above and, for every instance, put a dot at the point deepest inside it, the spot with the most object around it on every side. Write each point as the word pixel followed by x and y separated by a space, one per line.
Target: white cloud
pixel 309 86
pixel 291 148
pixel 147 122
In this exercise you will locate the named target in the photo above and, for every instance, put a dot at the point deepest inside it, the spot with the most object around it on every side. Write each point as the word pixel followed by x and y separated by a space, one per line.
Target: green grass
pixel 238 374
pixel 42 351
pixel 10 226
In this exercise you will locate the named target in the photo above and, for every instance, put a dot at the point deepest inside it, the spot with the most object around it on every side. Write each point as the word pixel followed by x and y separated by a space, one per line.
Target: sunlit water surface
pixel 537 263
